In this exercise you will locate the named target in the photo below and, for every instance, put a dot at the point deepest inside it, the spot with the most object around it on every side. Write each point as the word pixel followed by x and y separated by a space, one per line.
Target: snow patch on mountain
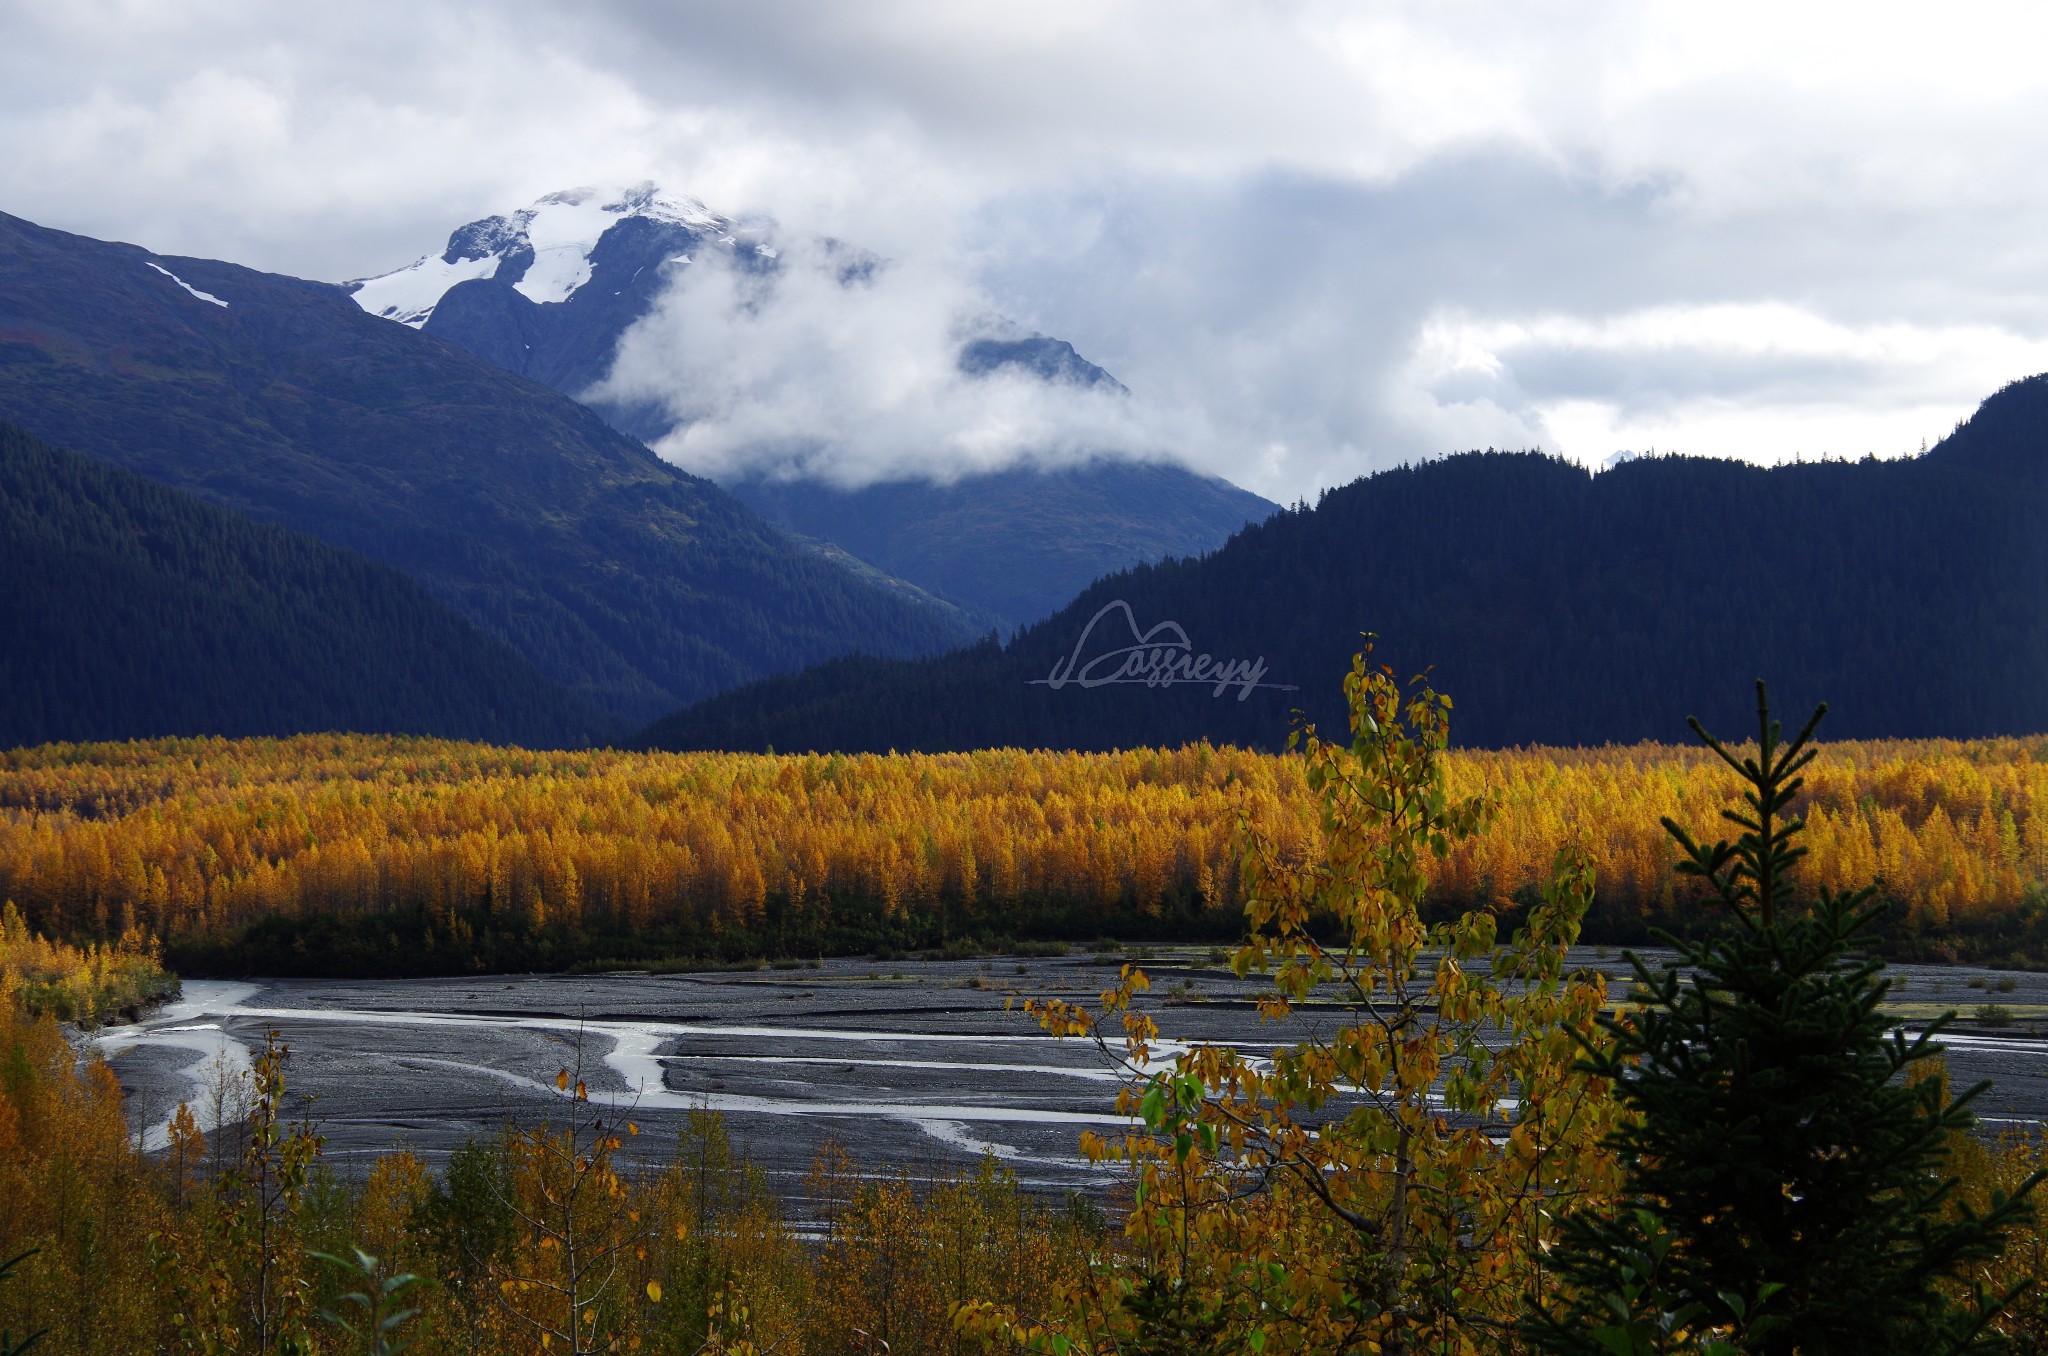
pixel 410 295
pixel 553 239
pixel 203 296
pixel 563 230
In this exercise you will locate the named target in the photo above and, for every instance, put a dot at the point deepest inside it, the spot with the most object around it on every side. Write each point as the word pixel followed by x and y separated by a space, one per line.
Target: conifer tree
pixel 1787 1185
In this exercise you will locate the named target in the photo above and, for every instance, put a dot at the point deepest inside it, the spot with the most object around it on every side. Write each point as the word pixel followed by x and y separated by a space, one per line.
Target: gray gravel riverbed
pixel 908 1064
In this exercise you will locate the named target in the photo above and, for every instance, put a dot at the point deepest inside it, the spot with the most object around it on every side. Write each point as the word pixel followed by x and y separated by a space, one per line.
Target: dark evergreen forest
pixel 1561 606
pixel 132 609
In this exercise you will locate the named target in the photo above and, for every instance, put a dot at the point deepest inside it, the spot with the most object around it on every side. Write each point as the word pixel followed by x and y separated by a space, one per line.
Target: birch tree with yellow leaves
pixel 1387 1181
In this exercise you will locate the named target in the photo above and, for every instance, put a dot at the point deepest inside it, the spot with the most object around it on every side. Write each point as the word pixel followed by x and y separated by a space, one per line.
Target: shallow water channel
pixel 908 1064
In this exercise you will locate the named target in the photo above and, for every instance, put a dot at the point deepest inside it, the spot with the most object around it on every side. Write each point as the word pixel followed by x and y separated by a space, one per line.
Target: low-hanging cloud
pixel 1330 327
pixel 823 365
pixel 1314 238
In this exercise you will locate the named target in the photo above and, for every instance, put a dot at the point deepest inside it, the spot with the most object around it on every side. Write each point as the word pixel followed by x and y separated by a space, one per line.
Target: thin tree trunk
pixel 1397 1241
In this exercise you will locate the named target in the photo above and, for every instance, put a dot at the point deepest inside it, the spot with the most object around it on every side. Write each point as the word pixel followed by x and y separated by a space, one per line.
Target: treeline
pixel 1560 606
pixel 133 609
pixel 523 1239
pixel 378 855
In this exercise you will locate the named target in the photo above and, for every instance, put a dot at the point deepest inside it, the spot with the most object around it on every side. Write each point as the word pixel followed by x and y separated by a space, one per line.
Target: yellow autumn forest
pixel 491 852
pixel 541 1237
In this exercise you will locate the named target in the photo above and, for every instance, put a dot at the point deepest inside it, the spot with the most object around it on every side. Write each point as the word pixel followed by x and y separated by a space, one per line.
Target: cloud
pixel 814 369
pixel 1274 220
pixel 1329 326
pixel 1767 381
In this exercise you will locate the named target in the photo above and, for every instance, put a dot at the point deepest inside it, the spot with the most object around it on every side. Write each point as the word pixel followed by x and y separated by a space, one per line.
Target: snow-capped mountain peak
pixel 548 244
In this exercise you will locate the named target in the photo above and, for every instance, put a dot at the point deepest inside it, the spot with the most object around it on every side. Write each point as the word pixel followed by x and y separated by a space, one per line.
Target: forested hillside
pixel 1561 606
pixel 635 585
pixel 133 610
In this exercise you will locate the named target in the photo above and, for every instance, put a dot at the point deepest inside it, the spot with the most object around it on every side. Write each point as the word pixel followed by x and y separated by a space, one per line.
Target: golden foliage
pixel 686 1253
pixel 1254 1227
pixel 1387 1184
pixel 189 837
pixel 2023 1267
pixel 899 1260
pixel 73 1187
pixel 197 838
pixel 76 984
pixel 1954 831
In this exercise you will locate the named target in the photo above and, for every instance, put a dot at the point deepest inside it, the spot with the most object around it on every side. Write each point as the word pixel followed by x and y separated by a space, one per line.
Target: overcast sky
pixel 1313 239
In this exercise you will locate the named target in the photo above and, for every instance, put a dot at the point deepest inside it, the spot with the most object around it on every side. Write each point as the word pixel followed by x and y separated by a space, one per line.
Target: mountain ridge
pixel 1007 546
pixel 1558 606
pixel 625 579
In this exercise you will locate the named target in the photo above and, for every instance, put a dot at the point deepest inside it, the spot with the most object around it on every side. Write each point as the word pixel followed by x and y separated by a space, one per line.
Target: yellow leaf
pixel 632 1129
pixel 562 1081
pixel 654 1291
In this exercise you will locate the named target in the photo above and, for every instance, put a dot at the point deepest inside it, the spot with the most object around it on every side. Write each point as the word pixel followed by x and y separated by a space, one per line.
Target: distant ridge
pixel 133 610
pixel 1016 545
pixel 1557 606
